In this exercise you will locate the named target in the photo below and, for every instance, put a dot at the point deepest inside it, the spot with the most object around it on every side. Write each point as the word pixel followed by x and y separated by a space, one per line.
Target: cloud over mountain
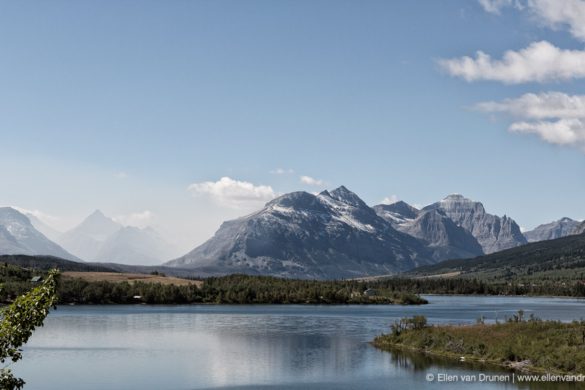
pixel 233 193
pixel 311 181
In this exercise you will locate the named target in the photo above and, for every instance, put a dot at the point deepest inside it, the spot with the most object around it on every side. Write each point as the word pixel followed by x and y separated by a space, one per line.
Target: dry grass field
pixel 127 277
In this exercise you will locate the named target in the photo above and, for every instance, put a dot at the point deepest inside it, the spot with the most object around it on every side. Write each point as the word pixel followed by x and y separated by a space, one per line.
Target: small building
pixel 370 292
pixel 137 297
pixel 36 279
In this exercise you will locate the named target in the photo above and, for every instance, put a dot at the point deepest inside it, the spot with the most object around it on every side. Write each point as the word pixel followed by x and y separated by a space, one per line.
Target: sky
pixel 183 114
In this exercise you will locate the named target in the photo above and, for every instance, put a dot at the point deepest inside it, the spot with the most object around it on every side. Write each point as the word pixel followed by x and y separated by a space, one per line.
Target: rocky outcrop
pixel 493 233
pixel 549 231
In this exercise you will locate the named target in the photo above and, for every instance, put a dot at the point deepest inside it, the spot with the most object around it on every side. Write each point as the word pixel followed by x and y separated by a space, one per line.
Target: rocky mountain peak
pixel 401 208
pixel 556 229
pixel 492 232
pixel 342 194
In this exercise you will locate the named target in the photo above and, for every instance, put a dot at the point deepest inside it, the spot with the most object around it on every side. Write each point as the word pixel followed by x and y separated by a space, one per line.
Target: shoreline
pixel 517 344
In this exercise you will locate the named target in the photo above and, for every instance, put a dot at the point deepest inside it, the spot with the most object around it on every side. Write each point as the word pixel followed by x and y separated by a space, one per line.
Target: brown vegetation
pixel 127 277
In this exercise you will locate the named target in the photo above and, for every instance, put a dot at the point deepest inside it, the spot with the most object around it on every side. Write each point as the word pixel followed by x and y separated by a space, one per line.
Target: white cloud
pixel 281 171
pixel 555 117
pixel 234 193
pixel 560 132
pixel 539 106
pixel 561 13
pixel 554 14
pixel 496 6
pixel 121 175
pixel 539 62
pixel 311 181
pixel 139 219
pixel 390 199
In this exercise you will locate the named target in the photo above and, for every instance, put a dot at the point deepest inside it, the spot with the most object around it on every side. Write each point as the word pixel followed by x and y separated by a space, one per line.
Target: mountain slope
pixel 547 259
pixel 330 235
pixel 492 232
pixel 18 236
pixel 42 227
pixel 549 231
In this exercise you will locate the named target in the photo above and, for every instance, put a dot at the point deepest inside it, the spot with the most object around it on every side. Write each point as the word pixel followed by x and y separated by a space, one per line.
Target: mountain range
pixel 100 239
pixel 333 234
pixel 336 235
pixel 96 239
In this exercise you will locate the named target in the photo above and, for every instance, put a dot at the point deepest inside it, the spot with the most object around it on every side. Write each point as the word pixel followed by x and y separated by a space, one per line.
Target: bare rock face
pixel 580 229
pixel 442 236
pixel 492 232
pixel 19 237
pixel 549 231
pixel 326 236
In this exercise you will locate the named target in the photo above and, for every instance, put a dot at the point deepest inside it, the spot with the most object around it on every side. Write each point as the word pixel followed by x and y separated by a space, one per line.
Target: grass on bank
pixel 530 345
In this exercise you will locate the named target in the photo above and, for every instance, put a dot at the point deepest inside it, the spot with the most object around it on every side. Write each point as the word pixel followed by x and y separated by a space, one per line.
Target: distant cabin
pixel 36 279
pixel 370 292
pixel 137 297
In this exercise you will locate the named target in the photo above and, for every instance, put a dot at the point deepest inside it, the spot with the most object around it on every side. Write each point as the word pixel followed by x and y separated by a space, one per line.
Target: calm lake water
pixel 254 346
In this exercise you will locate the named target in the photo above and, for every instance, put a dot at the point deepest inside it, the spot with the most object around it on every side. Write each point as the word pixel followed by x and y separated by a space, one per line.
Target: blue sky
pixel 135 107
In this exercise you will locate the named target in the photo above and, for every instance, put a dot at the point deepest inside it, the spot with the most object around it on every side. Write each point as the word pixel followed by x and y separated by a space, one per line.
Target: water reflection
pixel 289 347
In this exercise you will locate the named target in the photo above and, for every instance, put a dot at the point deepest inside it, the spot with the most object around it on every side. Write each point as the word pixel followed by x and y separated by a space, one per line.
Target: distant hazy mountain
pixel 131 245
pixel 86 239
pixel 549 231
pixel 19 236
pixel 330 235
pixel 101 239
pixel 581 228
pixel 492 232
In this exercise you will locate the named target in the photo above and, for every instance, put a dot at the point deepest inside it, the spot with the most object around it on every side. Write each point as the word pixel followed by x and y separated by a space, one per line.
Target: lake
pixel 254 346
